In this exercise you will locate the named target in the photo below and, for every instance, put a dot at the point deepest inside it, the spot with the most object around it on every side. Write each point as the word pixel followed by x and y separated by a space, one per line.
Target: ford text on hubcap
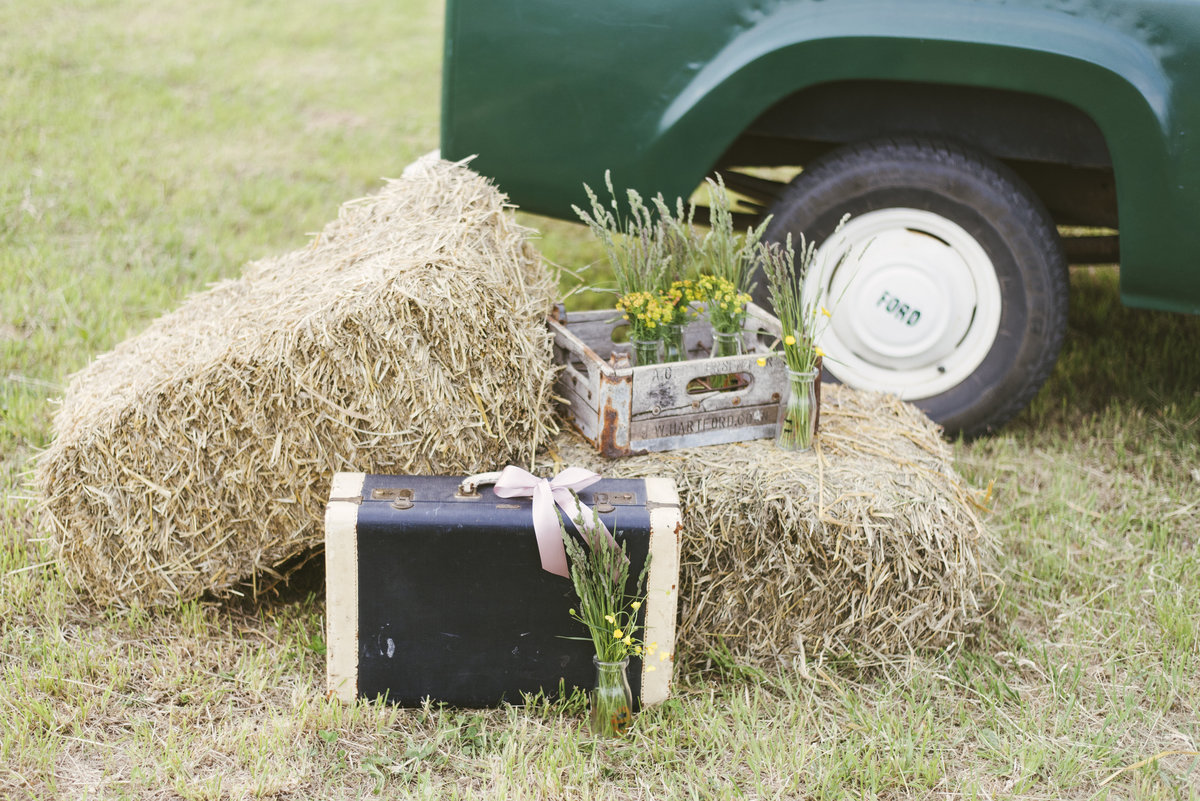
pixel 915 301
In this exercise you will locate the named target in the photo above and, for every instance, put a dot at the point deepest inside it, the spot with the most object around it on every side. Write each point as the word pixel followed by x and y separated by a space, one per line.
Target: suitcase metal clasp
pixel 401 497
pixel 608 501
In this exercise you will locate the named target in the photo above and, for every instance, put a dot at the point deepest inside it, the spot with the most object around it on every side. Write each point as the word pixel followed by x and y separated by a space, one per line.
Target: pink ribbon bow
pixel 517 483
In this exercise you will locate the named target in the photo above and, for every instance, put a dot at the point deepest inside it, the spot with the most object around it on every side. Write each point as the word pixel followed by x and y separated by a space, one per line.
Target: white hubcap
pixel 914 299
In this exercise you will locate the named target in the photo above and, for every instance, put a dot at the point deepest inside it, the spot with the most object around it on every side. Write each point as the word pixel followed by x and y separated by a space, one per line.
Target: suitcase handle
pixel 471 484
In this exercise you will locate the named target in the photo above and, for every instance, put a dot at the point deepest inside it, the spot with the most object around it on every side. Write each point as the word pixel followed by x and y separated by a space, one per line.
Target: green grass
pixel 151 149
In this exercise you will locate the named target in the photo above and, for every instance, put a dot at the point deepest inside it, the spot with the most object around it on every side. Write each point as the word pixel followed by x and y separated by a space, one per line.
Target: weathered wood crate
pixel 625 410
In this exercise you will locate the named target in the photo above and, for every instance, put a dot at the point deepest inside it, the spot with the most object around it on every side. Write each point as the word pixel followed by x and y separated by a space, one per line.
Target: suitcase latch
pixel 608 501
pixel 401 498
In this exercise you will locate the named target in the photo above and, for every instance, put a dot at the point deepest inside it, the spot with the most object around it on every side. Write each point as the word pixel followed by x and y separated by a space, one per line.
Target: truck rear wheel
pixel 947 284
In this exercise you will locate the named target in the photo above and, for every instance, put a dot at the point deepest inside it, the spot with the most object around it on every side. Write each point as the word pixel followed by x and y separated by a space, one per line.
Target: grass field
pixel 150 149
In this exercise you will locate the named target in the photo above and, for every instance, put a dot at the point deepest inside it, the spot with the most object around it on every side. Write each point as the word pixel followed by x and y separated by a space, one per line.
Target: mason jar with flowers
pixel 648 314
pixel 799 319
pixel 599 571
pixel 678 299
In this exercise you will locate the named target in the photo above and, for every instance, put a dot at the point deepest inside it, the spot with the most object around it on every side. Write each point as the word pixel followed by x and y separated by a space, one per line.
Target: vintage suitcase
pixel 435 589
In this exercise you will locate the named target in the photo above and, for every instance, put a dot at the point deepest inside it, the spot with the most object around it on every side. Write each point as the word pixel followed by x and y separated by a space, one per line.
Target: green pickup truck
pixel 979 146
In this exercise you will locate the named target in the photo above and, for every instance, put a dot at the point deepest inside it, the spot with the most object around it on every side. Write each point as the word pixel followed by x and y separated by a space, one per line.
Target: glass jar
pixel 646 351
pixel 726 344
pixel 673 350
pixel 796 426
pixel 611 699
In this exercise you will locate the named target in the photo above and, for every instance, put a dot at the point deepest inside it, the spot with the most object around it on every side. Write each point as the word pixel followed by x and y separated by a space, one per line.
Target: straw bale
pixel 866 548
pixel 408 337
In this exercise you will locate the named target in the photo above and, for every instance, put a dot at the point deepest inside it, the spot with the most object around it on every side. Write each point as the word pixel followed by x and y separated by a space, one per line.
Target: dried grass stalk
pixel 408 337
pixel 867 547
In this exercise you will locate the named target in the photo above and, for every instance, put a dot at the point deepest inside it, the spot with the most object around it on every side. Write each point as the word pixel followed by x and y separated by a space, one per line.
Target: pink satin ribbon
pixel 517 483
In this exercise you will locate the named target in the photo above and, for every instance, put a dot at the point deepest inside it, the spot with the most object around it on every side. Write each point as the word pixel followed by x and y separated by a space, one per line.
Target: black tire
pixel 994 208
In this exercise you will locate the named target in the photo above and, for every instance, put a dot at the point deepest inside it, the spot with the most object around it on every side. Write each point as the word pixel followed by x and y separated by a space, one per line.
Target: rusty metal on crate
pixel 625 410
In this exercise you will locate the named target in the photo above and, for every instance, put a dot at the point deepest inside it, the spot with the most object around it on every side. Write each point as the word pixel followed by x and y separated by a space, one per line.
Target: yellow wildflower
pixel 636 605
pixel 789 340
pixel 628 639
pixel 825 312
pixel 762 362
pixel 818 351
pixel 610 619
pixel 618 634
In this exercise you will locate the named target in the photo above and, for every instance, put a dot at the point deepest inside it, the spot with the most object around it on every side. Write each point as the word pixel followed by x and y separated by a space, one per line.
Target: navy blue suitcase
pixel 436 592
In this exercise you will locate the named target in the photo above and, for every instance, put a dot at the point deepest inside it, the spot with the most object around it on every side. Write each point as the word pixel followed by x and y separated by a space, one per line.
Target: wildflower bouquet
pixel 647 313
pixel 798 318
pixel 726 306
pixel 678 301
pixel 682 244
pixel 636 249
pixel 727 260
pixel 644 252
pixel 600 573
pixel 729 257
pixel 678 298
pixel 655 251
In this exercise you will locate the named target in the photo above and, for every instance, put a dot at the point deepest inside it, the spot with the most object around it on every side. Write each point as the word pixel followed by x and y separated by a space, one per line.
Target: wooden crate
pixel 625 410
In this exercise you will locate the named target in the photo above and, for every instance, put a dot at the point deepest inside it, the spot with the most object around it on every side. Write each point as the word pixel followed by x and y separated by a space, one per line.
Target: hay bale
pixel 867 547
pixel 408 337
